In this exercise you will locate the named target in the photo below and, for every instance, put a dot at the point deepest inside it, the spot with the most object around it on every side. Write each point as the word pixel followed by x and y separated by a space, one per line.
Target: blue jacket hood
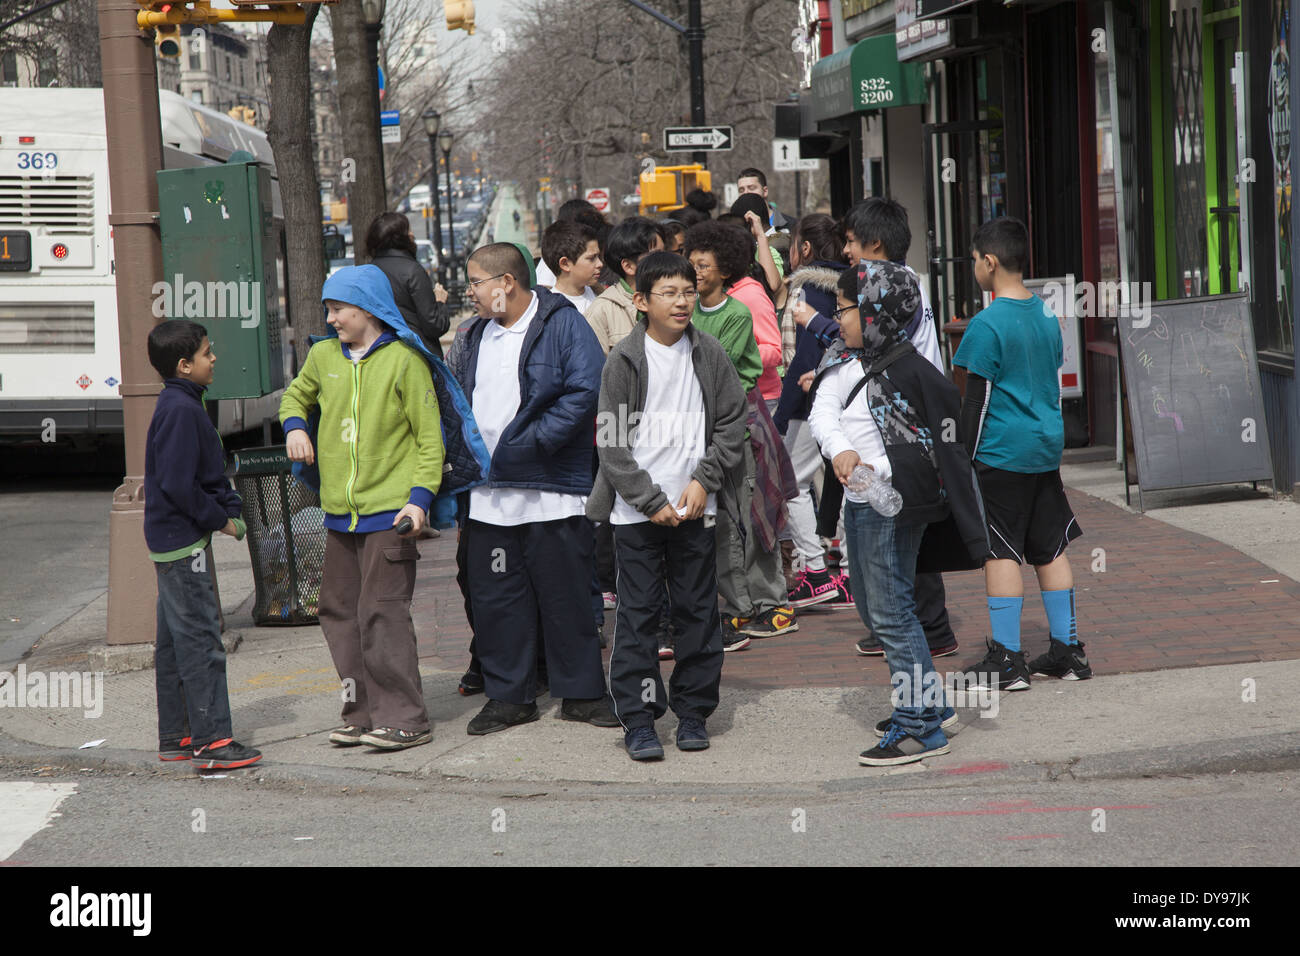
pixel 367 287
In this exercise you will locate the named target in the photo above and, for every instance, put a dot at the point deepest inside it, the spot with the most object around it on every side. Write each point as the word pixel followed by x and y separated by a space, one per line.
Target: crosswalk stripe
pixel 27 807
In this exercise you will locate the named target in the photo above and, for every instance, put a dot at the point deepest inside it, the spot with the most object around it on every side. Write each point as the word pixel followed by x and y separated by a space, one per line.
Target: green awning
pixel 866 76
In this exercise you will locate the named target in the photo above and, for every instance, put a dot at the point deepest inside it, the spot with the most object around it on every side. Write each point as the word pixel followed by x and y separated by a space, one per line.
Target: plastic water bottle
pixel 865 486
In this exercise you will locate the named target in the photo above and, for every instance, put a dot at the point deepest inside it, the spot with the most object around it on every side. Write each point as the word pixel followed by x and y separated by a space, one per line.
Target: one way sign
pixel 686 139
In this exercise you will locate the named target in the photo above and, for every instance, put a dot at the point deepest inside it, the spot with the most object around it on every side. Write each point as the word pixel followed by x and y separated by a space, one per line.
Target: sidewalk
pixel 1181 629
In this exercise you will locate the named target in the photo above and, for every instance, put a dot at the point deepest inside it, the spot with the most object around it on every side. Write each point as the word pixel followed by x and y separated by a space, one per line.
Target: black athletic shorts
pixel 1029 517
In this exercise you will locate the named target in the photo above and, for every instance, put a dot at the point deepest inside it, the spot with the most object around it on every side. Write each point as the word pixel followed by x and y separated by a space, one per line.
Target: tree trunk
pixel 358 88
pixel 289 129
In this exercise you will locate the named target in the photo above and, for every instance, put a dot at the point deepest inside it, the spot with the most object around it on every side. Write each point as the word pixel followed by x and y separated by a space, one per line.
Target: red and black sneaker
pixel 224 754
pixel 180 751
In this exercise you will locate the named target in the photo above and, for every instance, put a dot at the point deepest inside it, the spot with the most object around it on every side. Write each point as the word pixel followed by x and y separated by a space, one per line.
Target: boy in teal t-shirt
pixel 1011 419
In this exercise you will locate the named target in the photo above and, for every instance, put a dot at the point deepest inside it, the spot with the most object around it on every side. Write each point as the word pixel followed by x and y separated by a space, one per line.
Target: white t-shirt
pixel 496 403
pixel 581 302
pixel 670 433
pixel 545 276
pixel 852 429
pixel 926 340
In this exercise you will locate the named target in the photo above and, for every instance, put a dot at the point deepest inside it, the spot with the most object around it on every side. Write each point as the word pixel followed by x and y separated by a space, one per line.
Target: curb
pixel 1270 754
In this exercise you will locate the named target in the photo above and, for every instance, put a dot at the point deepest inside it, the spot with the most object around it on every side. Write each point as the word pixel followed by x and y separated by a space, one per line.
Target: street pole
pixel 451 205
pixel 372 45
pixel 437 208
pixel 134 133
pixel 695 46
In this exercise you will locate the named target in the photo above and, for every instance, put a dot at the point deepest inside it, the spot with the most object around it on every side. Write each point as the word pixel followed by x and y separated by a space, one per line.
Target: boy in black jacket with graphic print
pixel 884 406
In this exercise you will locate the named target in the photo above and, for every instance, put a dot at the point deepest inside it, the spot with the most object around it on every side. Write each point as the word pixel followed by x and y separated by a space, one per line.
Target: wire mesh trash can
pixel 286 536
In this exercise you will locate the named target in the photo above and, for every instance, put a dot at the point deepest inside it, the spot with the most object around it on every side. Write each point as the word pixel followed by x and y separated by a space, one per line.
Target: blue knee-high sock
pixel 1059 606
pixel 1004 615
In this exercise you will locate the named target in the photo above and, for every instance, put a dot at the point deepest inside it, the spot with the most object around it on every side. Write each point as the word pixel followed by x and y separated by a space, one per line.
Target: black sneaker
pixel 181 751
pixel 1000 669
pixel 1066 661
pixel 733 640
pixel 498 715
pixel 390 738
pixel 898 746
pixel 596 712
pixel 949 721
pixel 778 620
pixel 642 743
pixel 224 755
pixel 869 647
pixel 349 736
pixel 470 684
pixel 691 734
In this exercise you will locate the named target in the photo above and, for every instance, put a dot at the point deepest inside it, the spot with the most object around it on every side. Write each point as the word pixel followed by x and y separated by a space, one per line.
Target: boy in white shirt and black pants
pixel 671 425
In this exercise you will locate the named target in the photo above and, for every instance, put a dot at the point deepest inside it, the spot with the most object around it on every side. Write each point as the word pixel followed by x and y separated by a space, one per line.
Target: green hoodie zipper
pixel 352 445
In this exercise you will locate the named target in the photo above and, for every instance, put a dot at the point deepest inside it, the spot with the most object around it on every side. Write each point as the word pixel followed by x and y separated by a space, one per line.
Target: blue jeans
pixel 189 659
pixel 882 568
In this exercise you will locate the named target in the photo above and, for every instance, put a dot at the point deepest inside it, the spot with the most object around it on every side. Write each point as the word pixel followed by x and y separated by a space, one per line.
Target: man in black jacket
pixel 887 409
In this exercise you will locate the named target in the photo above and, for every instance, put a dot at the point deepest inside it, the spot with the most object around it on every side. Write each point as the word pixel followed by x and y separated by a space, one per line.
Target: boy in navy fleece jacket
pixel 187 497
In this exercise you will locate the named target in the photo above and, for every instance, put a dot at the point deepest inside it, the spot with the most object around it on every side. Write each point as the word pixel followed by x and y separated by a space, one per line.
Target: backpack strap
pixel 882 363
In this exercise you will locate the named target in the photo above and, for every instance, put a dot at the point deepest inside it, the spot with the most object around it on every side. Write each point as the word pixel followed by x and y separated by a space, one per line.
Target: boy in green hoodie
pixel 380 452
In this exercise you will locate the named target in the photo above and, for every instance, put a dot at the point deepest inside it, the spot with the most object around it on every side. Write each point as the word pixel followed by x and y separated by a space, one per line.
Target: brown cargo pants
pixel 365 612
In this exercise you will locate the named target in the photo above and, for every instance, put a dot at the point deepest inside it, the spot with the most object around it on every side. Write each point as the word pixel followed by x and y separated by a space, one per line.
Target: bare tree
pixel 61 43
pixel 357 84
pixel 289 129
pixel 586 98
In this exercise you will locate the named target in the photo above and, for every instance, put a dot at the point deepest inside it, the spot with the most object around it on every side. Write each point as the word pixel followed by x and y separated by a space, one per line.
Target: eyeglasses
pixel 475 283
pixel 689 295
pixel 838 312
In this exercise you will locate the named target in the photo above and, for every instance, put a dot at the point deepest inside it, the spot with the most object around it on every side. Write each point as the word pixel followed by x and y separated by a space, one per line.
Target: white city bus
pixel 59 350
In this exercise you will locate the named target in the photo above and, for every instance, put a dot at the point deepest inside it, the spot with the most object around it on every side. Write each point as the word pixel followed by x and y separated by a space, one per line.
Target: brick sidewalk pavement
pixel 1167 598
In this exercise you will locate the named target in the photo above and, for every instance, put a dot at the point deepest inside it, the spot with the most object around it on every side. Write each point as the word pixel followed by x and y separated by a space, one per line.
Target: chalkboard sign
pixel 1194 397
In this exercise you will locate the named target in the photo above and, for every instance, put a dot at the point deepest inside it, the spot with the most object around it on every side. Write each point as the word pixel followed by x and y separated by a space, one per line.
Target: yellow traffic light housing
pixel 460 15
pixel 664 188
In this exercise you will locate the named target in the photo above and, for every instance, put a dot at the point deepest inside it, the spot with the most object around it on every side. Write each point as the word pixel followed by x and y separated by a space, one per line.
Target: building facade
pixel 1144 143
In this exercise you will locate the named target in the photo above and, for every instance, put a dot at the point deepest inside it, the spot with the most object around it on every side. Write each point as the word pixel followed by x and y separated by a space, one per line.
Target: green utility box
pixel 219 247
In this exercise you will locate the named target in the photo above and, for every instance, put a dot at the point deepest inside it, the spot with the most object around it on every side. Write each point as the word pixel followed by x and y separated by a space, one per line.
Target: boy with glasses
pixel 658 485
pixel 531 367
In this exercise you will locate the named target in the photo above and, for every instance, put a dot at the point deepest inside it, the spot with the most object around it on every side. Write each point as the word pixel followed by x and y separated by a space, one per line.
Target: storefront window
pixel 1187 146
pixel 1278 334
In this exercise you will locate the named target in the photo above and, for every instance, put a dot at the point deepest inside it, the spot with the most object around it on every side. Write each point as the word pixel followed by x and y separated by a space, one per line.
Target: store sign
pixel 914 38
pixel 867 76
pixel 853 8
pixel 939 8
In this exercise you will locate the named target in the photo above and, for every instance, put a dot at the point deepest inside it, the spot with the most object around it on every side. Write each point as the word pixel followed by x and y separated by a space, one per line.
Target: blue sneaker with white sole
pixel 899 747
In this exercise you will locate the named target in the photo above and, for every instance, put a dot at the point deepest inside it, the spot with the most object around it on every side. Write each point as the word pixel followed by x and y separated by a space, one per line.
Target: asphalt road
pixel 54 558
pixel 172 818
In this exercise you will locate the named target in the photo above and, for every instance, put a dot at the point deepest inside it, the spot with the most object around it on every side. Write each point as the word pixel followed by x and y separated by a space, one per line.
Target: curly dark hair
pixel 731 247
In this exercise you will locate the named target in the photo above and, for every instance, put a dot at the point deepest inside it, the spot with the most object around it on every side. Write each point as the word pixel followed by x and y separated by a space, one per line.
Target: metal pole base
pixel 132 584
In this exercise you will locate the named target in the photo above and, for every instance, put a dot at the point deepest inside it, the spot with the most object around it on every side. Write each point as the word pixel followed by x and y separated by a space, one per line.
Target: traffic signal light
pixel 166 36
pixel 460 15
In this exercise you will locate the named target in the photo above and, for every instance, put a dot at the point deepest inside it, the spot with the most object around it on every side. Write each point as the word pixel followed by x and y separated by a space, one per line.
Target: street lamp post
pixel 432 120
pixel 445 139
pixel 372 11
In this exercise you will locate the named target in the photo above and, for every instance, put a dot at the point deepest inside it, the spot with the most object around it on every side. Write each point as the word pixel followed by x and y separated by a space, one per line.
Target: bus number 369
pixel 38 160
